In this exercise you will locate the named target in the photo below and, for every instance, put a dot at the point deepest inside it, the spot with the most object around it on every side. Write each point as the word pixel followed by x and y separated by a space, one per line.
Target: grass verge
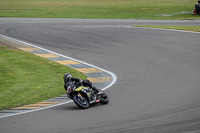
pixel 116 9
pixel 26 78
pixel 175 27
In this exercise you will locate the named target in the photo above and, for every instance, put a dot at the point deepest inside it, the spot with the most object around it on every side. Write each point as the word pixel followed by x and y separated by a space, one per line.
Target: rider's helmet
pixel 67 77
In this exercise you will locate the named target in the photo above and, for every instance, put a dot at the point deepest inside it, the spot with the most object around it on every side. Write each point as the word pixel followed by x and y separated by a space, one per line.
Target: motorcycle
pixel 83 96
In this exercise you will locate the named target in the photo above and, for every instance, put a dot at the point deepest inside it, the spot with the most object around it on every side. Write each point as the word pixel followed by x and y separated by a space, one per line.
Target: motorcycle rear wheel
pixel 104 99
pixel 80 102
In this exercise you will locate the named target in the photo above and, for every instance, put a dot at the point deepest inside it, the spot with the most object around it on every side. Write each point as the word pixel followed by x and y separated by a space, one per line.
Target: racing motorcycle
pixel 83 96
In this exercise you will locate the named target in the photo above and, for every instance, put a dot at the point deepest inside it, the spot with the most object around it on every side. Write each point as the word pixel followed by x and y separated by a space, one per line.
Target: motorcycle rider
pixel 77 82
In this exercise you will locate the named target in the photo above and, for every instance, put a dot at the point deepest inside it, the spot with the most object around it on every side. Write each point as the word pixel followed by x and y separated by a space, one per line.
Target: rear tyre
pixel 80 101
pixel 104 99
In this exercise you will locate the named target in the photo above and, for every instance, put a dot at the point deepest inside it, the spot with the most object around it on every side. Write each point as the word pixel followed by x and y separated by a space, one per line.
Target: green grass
pixel 175 27
pixel 26 78
pixel 116 9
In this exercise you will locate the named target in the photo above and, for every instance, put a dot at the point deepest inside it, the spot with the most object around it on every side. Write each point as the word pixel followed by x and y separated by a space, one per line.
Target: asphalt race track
pixel 158 76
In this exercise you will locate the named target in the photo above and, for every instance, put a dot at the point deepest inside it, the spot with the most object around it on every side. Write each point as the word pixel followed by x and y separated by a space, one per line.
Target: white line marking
pixel 114 77
pixel 162 29
pixel 36 109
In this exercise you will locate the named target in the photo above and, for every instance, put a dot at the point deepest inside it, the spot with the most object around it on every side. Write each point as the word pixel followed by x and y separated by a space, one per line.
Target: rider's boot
pixel 97 91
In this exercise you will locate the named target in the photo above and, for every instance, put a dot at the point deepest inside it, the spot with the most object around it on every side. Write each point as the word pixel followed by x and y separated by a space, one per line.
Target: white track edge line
pixel 36 109
pixel 163 29
pixel 114 77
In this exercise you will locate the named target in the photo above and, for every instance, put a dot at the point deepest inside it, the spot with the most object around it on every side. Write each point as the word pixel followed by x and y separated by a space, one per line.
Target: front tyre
pixel 104 99
pixel 80 101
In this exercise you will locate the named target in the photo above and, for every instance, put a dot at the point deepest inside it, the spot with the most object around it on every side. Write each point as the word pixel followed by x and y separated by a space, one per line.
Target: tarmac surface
pixel 158 73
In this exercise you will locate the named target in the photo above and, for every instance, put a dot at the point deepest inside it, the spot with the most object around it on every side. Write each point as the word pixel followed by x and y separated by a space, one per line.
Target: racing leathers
pixel 78 82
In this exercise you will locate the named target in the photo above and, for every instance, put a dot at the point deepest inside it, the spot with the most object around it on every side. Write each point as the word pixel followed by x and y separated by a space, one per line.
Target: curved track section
pixel 158 76
pixel 101 78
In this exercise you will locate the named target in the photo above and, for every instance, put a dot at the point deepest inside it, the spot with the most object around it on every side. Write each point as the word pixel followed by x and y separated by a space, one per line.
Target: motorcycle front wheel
pixel 80 101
